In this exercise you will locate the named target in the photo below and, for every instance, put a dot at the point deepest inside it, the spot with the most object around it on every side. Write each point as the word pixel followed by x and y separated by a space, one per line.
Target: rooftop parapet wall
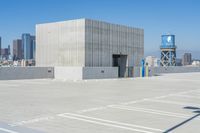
pixel 153 71
pixel 16 73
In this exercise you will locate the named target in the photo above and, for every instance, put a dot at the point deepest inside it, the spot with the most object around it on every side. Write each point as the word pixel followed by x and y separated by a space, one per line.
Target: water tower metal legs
pixel 168 58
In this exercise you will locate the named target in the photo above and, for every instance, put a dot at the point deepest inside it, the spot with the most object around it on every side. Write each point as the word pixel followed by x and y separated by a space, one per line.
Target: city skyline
pixel 155 17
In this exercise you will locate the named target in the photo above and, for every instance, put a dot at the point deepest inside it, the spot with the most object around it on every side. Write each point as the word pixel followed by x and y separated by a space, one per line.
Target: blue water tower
pixel 168 50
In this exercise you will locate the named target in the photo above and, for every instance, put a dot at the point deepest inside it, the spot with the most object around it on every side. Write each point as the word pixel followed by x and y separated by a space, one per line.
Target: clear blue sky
pixel 156 17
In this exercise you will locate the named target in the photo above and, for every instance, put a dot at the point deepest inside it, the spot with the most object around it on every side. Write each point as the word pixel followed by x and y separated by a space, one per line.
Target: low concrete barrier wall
pixel 81 73
pixel 68 73
pixel 100 72
pixel 159 70
pixel 14 73
pixel 177 69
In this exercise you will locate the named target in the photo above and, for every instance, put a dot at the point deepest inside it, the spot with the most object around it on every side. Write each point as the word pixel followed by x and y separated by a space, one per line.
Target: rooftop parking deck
pixel 150 105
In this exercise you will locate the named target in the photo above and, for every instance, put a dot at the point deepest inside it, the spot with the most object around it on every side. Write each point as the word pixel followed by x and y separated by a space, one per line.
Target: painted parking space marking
pixel 120 105
pixel 172 102
pixel 31 121
pixel 7 130
pixel 186 96
pixel 152 111
pixel 110 123
pixel 9 85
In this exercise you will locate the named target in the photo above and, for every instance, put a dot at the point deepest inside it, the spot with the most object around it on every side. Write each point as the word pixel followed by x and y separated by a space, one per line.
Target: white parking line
pixel 186 96
pixel 104 122
pixel 9 85
pixel 92 109
pixel 157 97
pixel 152 111
pixel 153 99
pixel 132 102
pixel 35 83
pixel 31 121
pixel 7 130
pixel 172 102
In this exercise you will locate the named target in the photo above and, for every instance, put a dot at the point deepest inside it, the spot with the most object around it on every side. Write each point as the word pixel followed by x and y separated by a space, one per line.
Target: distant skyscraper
pixel 33 46
pixel 28 43
pixel 4 53
pixel 0 47
pixel 17 49
pixel 187 59
pixel 8 49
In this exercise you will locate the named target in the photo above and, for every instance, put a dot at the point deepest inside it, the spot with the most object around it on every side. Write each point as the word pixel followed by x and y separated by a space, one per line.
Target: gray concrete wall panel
pixel 100 72
pixel 88 43
pixel 15 73
pixel 153 71
pixel 61 43
pixel 107 39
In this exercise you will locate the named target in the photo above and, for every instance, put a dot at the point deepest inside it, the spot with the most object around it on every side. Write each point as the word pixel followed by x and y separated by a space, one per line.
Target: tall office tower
pixel 187 59
pixel 0 47
pixel 27 46
pixel 8 49
pixel 17 49
pixel 33 47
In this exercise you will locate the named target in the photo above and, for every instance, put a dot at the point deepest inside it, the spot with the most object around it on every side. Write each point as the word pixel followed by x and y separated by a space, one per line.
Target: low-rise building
pixel 187 59
pixel 152 61
pixel 196 63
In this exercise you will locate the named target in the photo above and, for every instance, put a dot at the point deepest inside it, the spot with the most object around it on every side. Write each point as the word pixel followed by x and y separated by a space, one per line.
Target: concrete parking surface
pixel 168 103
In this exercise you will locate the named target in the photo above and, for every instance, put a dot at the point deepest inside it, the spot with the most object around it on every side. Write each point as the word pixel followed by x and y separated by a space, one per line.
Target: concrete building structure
pixel 187 59
pixel 89 44
pixel 152 61
pixel 195 63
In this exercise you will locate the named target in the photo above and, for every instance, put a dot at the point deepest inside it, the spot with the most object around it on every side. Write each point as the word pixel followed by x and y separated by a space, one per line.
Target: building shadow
pixel 195 110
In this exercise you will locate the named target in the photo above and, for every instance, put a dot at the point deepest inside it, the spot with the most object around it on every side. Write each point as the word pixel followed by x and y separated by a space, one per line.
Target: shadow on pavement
pixel 195 110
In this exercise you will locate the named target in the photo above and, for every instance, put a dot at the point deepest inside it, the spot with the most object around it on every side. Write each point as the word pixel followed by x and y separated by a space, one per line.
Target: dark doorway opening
pixel 120 62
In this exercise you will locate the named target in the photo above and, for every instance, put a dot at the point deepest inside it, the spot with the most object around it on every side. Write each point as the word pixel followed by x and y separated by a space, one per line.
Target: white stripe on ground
pixel 109 121
pixel 186 96
pixel 107 106
pixel 7 130
pixel 107 124
pixel 172 102
pixel 130 102
pixel 158 97
pixel 9 85
pixel 151 111
pixel 31 121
